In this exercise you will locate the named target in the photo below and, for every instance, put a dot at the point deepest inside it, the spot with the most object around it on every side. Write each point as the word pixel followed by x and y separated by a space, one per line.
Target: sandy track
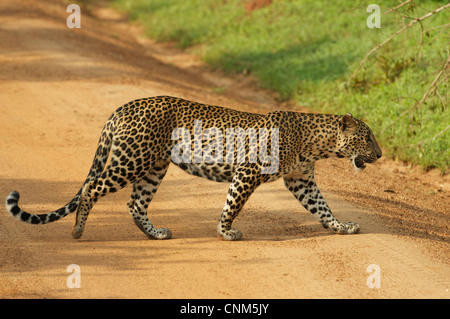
pixel 57 88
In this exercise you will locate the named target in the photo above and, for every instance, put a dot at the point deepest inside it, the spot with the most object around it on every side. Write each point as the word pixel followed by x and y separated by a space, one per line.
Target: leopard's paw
pixel 345 229
pixel 230 234
pixel 160 233
pixel 352 228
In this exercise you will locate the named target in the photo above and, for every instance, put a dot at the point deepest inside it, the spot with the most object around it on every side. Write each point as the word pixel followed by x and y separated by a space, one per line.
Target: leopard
pixel 142 137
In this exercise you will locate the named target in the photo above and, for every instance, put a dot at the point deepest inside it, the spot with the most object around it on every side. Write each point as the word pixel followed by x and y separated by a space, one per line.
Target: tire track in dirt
pixel 403 269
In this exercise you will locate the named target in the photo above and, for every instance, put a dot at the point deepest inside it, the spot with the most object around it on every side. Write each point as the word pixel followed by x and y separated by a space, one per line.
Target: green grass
pixel 306 50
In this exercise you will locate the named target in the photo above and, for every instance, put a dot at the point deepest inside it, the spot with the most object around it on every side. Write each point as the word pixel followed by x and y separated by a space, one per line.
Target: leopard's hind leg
pixel 125 167
pixel 109 182
pixel 143 192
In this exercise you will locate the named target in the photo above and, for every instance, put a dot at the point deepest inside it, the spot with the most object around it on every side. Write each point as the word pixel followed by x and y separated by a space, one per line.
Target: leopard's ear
pixel 347 123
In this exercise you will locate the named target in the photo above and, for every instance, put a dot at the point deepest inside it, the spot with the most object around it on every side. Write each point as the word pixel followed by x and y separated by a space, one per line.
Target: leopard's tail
pixel 98 164
pixel 13 208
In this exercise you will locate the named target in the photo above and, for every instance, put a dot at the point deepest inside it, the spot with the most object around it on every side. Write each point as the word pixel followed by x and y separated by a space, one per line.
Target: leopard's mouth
pixel 359 162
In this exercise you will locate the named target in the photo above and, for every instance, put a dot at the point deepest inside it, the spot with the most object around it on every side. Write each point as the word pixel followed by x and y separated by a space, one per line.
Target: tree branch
pixel 409 25
pixel 397 7
pixel 431 88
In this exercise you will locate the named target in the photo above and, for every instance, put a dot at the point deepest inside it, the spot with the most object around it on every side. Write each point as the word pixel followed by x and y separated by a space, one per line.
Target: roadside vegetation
pixel 323 55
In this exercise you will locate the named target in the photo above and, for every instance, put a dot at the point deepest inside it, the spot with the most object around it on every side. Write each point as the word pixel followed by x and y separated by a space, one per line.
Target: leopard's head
pixel 357 142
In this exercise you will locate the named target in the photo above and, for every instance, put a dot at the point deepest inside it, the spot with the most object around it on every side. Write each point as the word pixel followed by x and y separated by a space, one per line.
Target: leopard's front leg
pixel 304 188
pixel 246 179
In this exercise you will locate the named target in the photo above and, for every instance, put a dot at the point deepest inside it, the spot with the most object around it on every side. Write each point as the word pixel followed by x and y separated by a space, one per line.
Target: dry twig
pixel 397 7
pixel 430 89
pixel 409 25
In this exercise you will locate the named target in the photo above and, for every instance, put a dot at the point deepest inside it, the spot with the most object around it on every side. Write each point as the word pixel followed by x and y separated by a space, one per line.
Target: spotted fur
pixel 138 141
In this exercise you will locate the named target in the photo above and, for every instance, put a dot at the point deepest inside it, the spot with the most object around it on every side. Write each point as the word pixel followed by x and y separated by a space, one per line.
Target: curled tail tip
pixel 13 208
pixel 14 195
pixel 11 203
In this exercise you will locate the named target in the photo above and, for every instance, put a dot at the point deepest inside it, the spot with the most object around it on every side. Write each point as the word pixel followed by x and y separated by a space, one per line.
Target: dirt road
pixel 57 88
